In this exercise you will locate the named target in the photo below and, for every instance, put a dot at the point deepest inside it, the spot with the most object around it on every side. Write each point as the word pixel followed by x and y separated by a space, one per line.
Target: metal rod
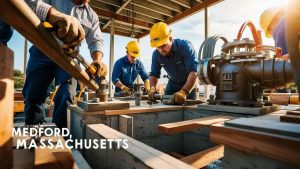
pixel 111 58
pixel 25 58
pixel 17 14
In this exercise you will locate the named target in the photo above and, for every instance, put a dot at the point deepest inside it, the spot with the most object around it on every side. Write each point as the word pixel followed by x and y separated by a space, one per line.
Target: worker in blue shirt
pixel 272 21
pixel 127 68
pixel 75 20
pixel 178 58
pixel 6 32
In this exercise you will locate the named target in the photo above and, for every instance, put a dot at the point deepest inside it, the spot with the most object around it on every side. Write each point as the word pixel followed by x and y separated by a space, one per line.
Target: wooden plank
pixel 274 146
pixel 176 155
pixel 239 110
pixel 23 159
pixel 182 126
pixel 18 96
pixel 90 106
pixel 6 106
pixel 263 125
pixel 291 112
pixel 18 106
pixel 290 118
pixel 137 153
pixel 203 158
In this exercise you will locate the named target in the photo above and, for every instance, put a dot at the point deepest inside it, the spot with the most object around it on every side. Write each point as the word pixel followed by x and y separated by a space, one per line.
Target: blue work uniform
pixel 41 70
pixel 6 32
pixel 178 65
pixel 279 36
pixel 127 72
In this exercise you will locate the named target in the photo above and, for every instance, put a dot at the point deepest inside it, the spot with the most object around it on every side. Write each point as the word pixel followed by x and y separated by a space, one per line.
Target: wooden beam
pixel 109 14
pixel 117 33
pixel 18 106
pixel 183 3
pixel 274 146
pixel 165 4
pixel 117 12
pixel 154 8
pixel 186 13
pixel 203 158
pixel 290 118
pixel 182 126
pixel 6 106
pixel 176 155
pixel 290 112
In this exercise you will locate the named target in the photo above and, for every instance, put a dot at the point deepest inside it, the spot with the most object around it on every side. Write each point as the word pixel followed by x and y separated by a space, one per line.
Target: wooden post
pixel 25 59
pixel 207 88
pixel 126 125
pixel 111 58
pixel 6 106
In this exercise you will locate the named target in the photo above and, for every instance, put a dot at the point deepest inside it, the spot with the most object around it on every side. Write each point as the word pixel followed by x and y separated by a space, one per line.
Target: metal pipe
pixel 25 59
pixel 111 57
pixel 17 14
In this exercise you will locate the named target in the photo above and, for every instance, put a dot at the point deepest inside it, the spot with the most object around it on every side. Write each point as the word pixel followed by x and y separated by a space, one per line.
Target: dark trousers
pixel 39 74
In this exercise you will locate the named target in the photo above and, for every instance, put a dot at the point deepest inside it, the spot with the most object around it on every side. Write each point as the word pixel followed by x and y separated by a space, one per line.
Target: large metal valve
pixel 243 69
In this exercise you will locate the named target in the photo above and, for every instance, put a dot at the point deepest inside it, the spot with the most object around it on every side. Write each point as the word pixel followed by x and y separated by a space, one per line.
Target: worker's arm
pixel 69 29
pixel 190 82
pixel 153 81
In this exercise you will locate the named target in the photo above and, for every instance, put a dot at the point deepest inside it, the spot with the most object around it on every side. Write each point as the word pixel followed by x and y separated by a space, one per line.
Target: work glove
pixel 147 85
pixel 101 69
pixel 151 94
pixel 179 97
pixel 69 29
pixel 126 90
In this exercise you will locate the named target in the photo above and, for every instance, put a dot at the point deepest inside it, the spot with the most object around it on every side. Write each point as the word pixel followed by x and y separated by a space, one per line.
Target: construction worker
pixel 272 21
pixel 178 58
pixel 127 68
pixel 74 20
pixel 6 32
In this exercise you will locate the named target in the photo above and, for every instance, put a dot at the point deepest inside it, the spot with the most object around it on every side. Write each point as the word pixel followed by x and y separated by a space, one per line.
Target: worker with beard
pixel 178 58
pixel 127 68
pixel 73 21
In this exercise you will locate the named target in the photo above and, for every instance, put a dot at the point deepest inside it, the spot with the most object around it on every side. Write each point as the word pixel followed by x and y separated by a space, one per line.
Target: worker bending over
pixel 74 20
pixel 178 58
pixel 127 68
pixel 272 21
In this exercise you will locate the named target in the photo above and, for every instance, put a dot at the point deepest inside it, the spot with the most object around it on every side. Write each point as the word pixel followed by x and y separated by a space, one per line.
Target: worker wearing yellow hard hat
pixel 178 58
pixel 272 21
pixel 127 68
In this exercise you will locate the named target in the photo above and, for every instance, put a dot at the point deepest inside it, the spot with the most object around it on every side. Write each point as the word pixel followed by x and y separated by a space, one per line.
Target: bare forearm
pixel 153 81
pixel 97 56
pixel 190 83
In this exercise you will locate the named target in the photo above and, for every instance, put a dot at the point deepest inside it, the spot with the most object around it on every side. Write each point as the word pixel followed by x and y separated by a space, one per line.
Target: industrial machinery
pixel 243 69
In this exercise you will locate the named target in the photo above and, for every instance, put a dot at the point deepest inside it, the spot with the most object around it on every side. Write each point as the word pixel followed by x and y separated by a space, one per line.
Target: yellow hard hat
pixel 159 34
pixel 133 48
pixel 267 17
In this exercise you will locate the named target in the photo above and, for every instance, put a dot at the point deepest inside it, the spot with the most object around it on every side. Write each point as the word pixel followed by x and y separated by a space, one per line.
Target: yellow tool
pixel 74 53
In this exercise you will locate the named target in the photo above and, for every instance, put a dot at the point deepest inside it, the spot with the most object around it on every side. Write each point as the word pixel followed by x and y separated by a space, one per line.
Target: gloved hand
pixel 147 85
pixel 126 90
pixel 151 94
pixel 69 31
pixel 179 97
pixel 101 69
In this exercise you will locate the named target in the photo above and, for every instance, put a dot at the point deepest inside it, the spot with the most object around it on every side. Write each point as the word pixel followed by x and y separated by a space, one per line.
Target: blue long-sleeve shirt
pixel 126 73
pixel 5 32
pixel 84 13
pixel 178 66
pixel 279 36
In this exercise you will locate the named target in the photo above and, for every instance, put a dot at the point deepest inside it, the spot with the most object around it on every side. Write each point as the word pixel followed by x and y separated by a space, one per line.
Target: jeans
pixel 39 75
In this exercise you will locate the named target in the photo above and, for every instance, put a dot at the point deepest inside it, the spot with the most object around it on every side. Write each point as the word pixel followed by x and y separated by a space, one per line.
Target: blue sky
pixel 225 19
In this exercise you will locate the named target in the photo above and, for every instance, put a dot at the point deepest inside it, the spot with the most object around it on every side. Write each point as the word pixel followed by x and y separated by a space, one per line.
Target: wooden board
pixel 18 96
pixel 23 159
pixel 182 126
pixel 239 110
pixel 137 153
pixel 291 112
pixel 6 106
pixel 176 155
pixel 263 125
pixel 274 146
pixel 203 158
pixel 290 118
pixel 90 106
pixel 18 106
